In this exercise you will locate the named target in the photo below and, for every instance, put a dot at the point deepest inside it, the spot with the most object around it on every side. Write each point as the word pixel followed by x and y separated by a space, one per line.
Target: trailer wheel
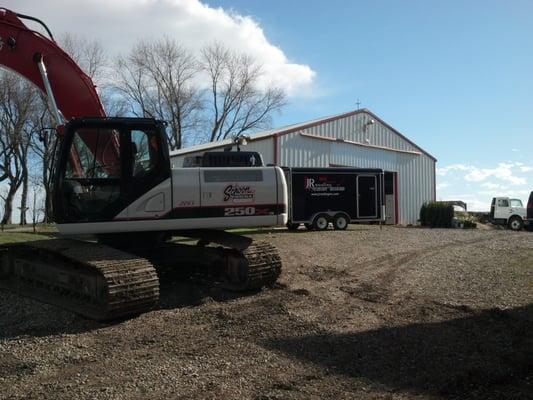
pixel 340 222
pixel 291 226
pixel 320 223
pixel 516 223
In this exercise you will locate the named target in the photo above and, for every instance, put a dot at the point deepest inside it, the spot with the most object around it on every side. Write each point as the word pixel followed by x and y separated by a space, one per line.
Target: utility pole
pixel 358 103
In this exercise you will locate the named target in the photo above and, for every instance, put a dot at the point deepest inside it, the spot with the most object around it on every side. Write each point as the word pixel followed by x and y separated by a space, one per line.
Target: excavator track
pixel 257 266
pixel 102 282
pixel 90 279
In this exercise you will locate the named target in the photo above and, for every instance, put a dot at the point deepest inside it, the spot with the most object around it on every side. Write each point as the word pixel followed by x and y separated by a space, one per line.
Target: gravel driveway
pixel 397 313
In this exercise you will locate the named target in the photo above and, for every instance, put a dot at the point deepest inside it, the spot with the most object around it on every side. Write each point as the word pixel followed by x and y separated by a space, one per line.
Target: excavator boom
pixel 21 50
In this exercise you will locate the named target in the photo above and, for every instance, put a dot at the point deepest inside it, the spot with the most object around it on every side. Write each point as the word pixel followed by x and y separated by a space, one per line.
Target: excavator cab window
pixel 105 167
pixel 91 187
pixel 145 152
pixel 96 154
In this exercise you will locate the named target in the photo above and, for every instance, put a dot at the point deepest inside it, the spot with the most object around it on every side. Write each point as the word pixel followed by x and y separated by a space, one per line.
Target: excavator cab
pixel 104 164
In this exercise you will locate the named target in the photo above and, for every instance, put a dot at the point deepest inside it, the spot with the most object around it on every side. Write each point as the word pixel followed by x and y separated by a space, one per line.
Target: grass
pixel 13 237
pixel 28 228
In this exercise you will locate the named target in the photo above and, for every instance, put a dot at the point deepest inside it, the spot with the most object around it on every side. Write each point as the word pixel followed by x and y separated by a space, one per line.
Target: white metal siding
pixel 264 147
pixel 355 128
pixel 415 172
pixel 298 151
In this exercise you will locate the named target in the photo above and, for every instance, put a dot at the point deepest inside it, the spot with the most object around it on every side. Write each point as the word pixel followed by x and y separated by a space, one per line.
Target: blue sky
pixel 456 77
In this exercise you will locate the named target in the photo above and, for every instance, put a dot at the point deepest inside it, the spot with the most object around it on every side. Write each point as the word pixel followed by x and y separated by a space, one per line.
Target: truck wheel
pixel 515 223
pixel 320 222
pixel 340 222
pixel 292 226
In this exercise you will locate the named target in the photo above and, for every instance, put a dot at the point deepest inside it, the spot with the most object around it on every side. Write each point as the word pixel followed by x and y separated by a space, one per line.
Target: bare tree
pixel 91 58
pixel 156 79
pixel 94 61
pixel 38 203
pixel 17 101
pixel 43 146
pixel 238 103
pixel 88 54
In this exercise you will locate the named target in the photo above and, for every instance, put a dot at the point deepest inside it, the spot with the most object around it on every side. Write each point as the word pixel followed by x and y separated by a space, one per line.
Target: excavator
pixel 117 202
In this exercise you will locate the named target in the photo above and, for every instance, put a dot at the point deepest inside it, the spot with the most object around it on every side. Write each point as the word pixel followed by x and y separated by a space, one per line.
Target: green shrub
pixel 436 214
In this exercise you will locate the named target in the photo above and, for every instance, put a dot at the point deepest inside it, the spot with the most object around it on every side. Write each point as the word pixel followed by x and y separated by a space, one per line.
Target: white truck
pixel 509 212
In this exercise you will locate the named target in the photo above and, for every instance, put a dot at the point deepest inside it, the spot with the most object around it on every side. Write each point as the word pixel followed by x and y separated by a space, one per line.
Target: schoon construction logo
pixel 239 194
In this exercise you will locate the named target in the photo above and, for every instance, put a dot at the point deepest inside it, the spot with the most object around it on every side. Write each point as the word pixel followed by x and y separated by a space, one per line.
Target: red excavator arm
pixel 39 59
pixel 22 49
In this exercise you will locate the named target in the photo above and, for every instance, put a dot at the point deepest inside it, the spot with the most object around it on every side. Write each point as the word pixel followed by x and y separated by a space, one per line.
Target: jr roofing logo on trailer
pixel 323 186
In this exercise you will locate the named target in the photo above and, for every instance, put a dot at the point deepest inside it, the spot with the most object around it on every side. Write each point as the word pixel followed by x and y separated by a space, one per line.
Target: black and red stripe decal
pixel 215 212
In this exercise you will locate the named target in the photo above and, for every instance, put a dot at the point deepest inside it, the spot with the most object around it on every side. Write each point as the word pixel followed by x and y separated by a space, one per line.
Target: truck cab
pixel 508 212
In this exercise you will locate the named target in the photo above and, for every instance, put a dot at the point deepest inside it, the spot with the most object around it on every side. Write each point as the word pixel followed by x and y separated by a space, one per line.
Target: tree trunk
pixel 47 186
pixel 24 199
pixel 8 206
pixel 48 216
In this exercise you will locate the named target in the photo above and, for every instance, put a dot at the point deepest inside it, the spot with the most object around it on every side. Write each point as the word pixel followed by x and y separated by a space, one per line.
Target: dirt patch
pixel 367 313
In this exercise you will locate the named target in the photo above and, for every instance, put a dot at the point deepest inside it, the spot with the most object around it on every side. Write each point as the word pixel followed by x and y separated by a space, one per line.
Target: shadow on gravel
pixel 301 229
pixel 21 316
pixel 177 293
pixel 487 355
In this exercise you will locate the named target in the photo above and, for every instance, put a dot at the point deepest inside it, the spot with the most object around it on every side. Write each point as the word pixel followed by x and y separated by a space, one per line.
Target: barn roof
pixel 294 128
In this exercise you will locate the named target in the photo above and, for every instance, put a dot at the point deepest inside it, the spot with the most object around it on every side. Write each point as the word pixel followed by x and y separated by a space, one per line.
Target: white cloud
pixel 454 167
pixel 504 172
pixel 118 24
pixel 491 185
pixel 477 185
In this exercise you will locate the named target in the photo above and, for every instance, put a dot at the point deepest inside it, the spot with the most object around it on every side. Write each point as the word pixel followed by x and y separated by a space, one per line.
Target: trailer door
pixel 367 199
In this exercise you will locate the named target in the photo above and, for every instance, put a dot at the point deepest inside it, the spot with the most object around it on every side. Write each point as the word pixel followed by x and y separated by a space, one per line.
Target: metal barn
pixel 356 139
